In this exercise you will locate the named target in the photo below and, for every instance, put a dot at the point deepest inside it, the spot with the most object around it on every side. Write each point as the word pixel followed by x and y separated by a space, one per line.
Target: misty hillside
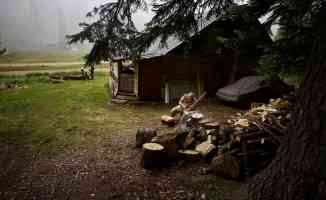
pixel 43 23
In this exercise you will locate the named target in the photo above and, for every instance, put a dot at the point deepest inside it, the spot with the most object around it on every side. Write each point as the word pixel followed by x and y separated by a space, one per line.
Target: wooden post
pixel 166 93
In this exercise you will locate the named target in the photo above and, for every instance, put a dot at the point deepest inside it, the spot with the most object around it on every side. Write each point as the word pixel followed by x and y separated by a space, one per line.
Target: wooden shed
pixel 166 74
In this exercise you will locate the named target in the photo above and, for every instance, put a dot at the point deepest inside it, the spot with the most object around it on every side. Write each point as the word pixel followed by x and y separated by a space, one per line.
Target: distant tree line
pixel 2 49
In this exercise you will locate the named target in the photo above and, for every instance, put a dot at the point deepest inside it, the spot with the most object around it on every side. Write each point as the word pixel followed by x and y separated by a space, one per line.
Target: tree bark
pixel 299 169
pixel 234 66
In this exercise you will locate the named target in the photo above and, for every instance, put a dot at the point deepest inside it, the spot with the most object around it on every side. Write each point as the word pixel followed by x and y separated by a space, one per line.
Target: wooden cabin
pixel 166 74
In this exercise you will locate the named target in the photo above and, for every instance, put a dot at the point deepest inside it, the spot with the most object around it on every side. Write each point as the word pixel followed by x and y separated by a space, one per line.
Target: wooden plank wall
pixel 206 73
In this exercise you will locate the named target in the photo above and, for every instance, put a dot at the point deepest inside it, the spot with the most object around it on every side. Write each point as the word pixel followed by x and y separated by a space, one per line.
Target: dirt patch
pixel 110 169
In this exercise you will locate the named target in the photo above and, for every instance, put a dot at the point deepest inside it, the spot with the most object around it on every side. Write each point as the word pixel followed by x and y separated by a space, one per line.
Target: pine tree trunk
pixel 234 68
pixel 299 169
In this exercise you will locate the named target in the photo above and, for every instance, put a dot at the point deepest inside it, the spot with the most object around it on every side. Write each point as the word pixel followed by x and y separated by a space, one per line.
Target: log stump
pixel 153 156
pixel 206 150
pixel 226 165
pixel 144 135
pixel 189 155
pixel 170 144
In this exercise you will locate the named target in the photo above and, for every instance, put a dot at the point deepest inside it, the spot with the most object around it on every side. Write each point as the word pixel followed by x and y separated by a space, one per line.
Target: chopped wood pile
pixel 236 148
pixel 59 78
pixel 252 137
pixel 12 86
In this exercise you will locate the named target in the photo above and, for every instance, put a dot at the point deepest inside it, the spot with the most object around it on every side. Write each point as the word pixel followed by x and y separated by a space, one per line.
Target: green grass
pixel 29 78
pixel 45 67
pixel 42 56
pixel 52 117
pixel 45 114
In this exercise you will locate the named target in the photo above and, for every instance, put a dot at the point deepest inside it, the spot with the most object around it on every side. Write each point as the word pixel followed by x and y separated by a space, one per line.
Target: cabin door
pixel 126 83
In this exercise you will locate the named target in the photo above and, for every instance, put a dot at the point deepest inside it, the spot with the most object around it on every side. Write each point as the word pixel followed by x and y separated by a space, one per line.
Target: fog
pixel 33 24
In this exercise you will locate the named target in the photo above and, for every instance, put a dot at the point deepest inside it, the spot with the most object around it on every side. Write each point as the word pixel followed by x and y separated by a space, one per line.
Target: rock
pixel 206 150
pixel 225 165
pixel 144 135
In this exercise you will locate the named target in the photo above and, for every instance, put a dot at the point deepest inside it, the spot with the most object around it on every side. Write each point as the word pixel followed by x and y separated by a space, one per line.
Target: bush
pixel 269 65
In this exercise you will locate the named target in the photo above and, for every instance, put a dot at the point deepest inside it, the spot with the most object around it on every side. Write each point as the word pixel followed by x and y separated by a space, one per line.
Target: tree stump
pixel 189 155
pixel 226 165
pixel 153 156
pixel 144 135
pixel 170 143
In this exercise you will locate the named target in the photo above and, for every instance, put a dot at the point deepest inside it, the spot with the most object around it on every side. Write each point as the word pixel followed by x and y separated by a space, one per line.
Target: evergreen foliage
pixel 297 26
pixel 114 33
pixel 301 43
pixel 2 50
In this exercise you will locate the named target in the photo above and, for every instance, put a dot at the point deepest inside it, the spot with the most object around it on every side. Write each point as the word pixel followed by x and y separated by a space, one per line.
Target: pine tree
pixel 2 50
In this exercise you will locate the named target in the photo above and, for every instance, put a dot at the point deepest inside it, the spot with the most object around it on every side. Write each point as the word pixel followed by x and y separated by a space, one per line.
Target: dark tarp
pixel 241 88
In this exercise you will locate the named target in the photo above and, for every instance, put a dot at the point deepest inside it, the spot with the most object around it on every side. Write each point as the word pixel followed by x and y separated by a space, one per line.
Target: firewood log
pixel 206 150
pixel 168 120
pixel 188 142
pixel 144 135
pixel 271 133
pixel 211 125
pixel 204 121
pixel 171 143
pixel 226 165
pixel 153 156
pixel 189 155
pixel 194 105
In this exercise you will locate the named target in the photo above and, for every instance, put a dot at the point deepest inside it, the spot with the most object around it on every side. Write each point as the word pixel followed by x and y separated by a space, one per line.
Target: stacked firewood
pixel 238 147
pixel 252 138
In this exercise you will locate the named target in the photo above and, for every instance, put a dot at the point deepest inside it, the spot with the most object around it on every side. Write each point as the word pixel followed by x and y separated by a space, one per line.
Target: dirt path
pixel 108 170
pixel 111 171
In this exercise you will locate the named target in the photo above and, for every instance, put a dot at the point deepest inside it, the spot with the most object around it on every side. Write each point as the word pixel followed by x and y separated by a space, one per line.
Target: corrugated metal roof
pixel 156 50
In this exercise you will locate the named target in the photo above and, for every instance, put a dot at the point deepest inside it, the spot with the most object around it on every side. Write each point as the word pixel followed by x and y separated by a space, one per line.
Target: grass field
pixel 44 113
pixel 45 56
pixel 66 141
pixel 45 68
pixel 54 116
